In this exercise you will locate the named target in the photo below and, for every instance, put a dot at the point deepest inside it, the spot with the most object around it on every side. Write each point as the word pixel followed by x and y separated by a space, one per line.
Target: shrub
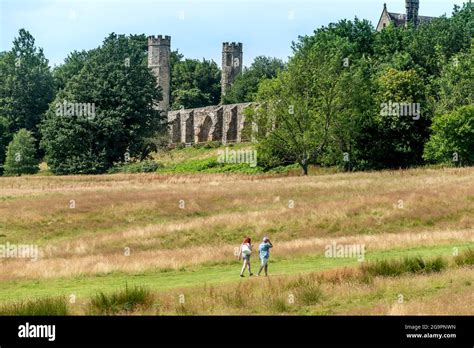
pixel 138 167
pixel 465 258
pixel 45 306
pixel 20 156
pixel 149 166
pixel 384 268
pixel 309 295
pixel 436 265
pixel 279 305
pixel 452 140
pixel 213 145
pixel 391 268
pixel 127 300
pixel 208 145
pixel 413 265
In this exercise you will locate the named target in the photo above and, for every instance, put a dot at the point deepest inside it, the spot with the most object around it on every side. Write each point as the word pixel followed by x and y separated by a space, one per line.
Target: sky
pixel 197 27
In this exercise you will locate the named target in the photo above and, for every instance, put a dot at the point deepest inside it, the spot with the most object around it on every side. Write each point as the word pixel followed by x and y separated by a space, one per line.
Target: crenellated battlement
pixel 231 46
pixel 159 62
pixel 159 40
pixel 232 55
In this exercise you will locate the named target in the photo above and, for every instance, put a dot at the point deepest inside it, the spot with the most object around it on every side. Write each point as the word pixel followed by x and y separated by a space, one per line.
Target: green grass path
pixel 84 286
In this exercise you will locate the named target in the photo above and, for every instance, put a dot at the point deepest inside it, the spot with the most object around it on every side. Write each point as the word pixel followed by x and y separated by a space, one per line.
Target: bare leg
pixel 266 270
pixel 243 267
pixel 250 271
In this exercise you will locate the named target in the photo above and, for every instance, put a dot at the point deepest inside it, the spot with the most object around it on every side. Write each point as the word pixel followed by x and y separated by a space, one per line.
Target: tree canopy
pixel 105 112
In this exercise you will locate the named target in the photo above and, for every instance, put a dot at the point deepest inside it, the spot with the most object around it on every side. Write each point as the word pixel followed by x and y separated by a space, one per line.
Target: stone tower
pixel 159 52
pixel 232 56
pixel 412 7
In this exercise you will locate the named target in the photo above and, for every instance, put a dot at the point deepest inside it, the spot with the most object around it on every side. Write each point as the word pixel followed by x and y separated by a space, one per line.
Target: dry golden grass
pixel 337 292
pixel 141 211
pixel 78 259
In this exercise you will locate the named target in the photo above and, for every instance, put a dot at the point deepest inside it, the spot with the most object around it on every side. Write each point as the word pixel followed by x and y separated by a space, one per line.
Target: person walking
pixel 245 253
pixel 264 253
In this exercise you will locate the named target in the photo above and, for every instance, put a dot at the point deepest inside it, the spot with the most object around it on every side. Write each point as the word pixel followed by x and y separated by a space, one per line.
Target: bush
pixel 138 167
pixel 392 268
pixel 213 145
pixel 309 295
pixel 436 265
pixel 45 306
pixel 20 156
pixel 452 140
pixel 383 268
pixel 465 258
pixel 127 300
pixel 211 165
pixel 279 305
pixel 208 145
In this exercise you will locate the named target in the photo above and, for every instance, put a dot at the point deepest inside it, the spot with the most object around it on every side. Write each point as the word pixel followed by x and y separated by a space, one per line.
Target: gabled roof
pixel 399 19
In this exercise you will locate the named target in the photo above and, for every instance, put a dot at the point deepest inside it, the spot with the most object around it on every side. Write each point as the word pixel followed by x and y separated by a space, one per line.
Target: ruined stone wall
pixel 222 123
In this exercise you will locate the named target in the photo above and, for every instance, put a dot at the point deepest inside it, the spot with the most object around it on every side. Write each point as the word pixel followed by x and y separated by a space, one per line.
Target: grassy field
pixel 176 235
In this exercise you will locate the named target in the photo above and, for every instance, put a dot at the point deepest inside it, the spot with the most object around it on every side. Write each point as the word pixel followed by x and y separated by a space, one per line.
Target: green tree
pixel 5 137
pixel 403 120
pixel 20 156
pixel 190 98
pixel 121 97
pixel 26 84
pixel 194 83
pixel 72 66
pixel 452 140
pixel 433 45
pixel 360 33
pixel 299 109
pixel 348 136
pixel 245 85
pixel 457 82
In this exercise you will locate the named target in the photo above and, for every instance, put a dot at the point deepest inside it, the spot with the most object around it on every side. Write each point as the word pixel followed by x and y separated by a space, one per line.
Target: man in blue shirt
pixel 264 253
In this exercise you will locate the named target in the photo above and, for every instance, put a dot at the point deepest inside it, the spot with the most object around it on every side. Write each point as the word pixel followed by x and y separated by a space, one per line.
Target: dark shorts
pixel 246 257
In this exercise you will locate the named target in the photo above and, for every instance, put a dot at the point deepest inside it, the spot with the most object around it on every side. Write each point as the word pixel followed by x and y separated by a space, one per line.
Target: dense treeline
pixel 349 96
pixel 361 99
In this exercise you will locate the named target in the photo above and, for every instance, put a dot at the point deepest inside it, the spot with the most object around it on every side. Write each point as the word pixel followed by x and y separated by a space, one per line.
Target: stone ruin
pixel 223 123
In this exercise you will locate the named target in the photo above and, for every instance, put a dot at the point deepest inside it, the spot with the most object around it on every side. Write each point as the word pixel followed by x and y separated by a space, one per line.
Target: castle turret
pixel 159 52
pixel 412 7
pixel 232 56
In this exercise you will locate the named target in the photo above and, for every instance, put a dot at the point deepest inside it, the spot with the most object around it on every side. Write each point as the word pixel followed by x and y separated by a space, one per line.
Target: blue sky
pixel 197 27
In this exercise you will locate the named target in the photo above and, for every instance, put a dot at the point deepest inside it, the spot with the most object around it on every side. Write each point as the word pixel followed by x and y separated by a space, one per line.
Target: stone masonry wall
pixel 222 123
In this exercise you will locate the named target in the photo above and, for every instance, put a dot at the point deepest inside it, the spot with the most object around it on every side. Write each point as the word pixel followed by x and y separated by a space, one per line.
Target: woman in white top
pixel 245 252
